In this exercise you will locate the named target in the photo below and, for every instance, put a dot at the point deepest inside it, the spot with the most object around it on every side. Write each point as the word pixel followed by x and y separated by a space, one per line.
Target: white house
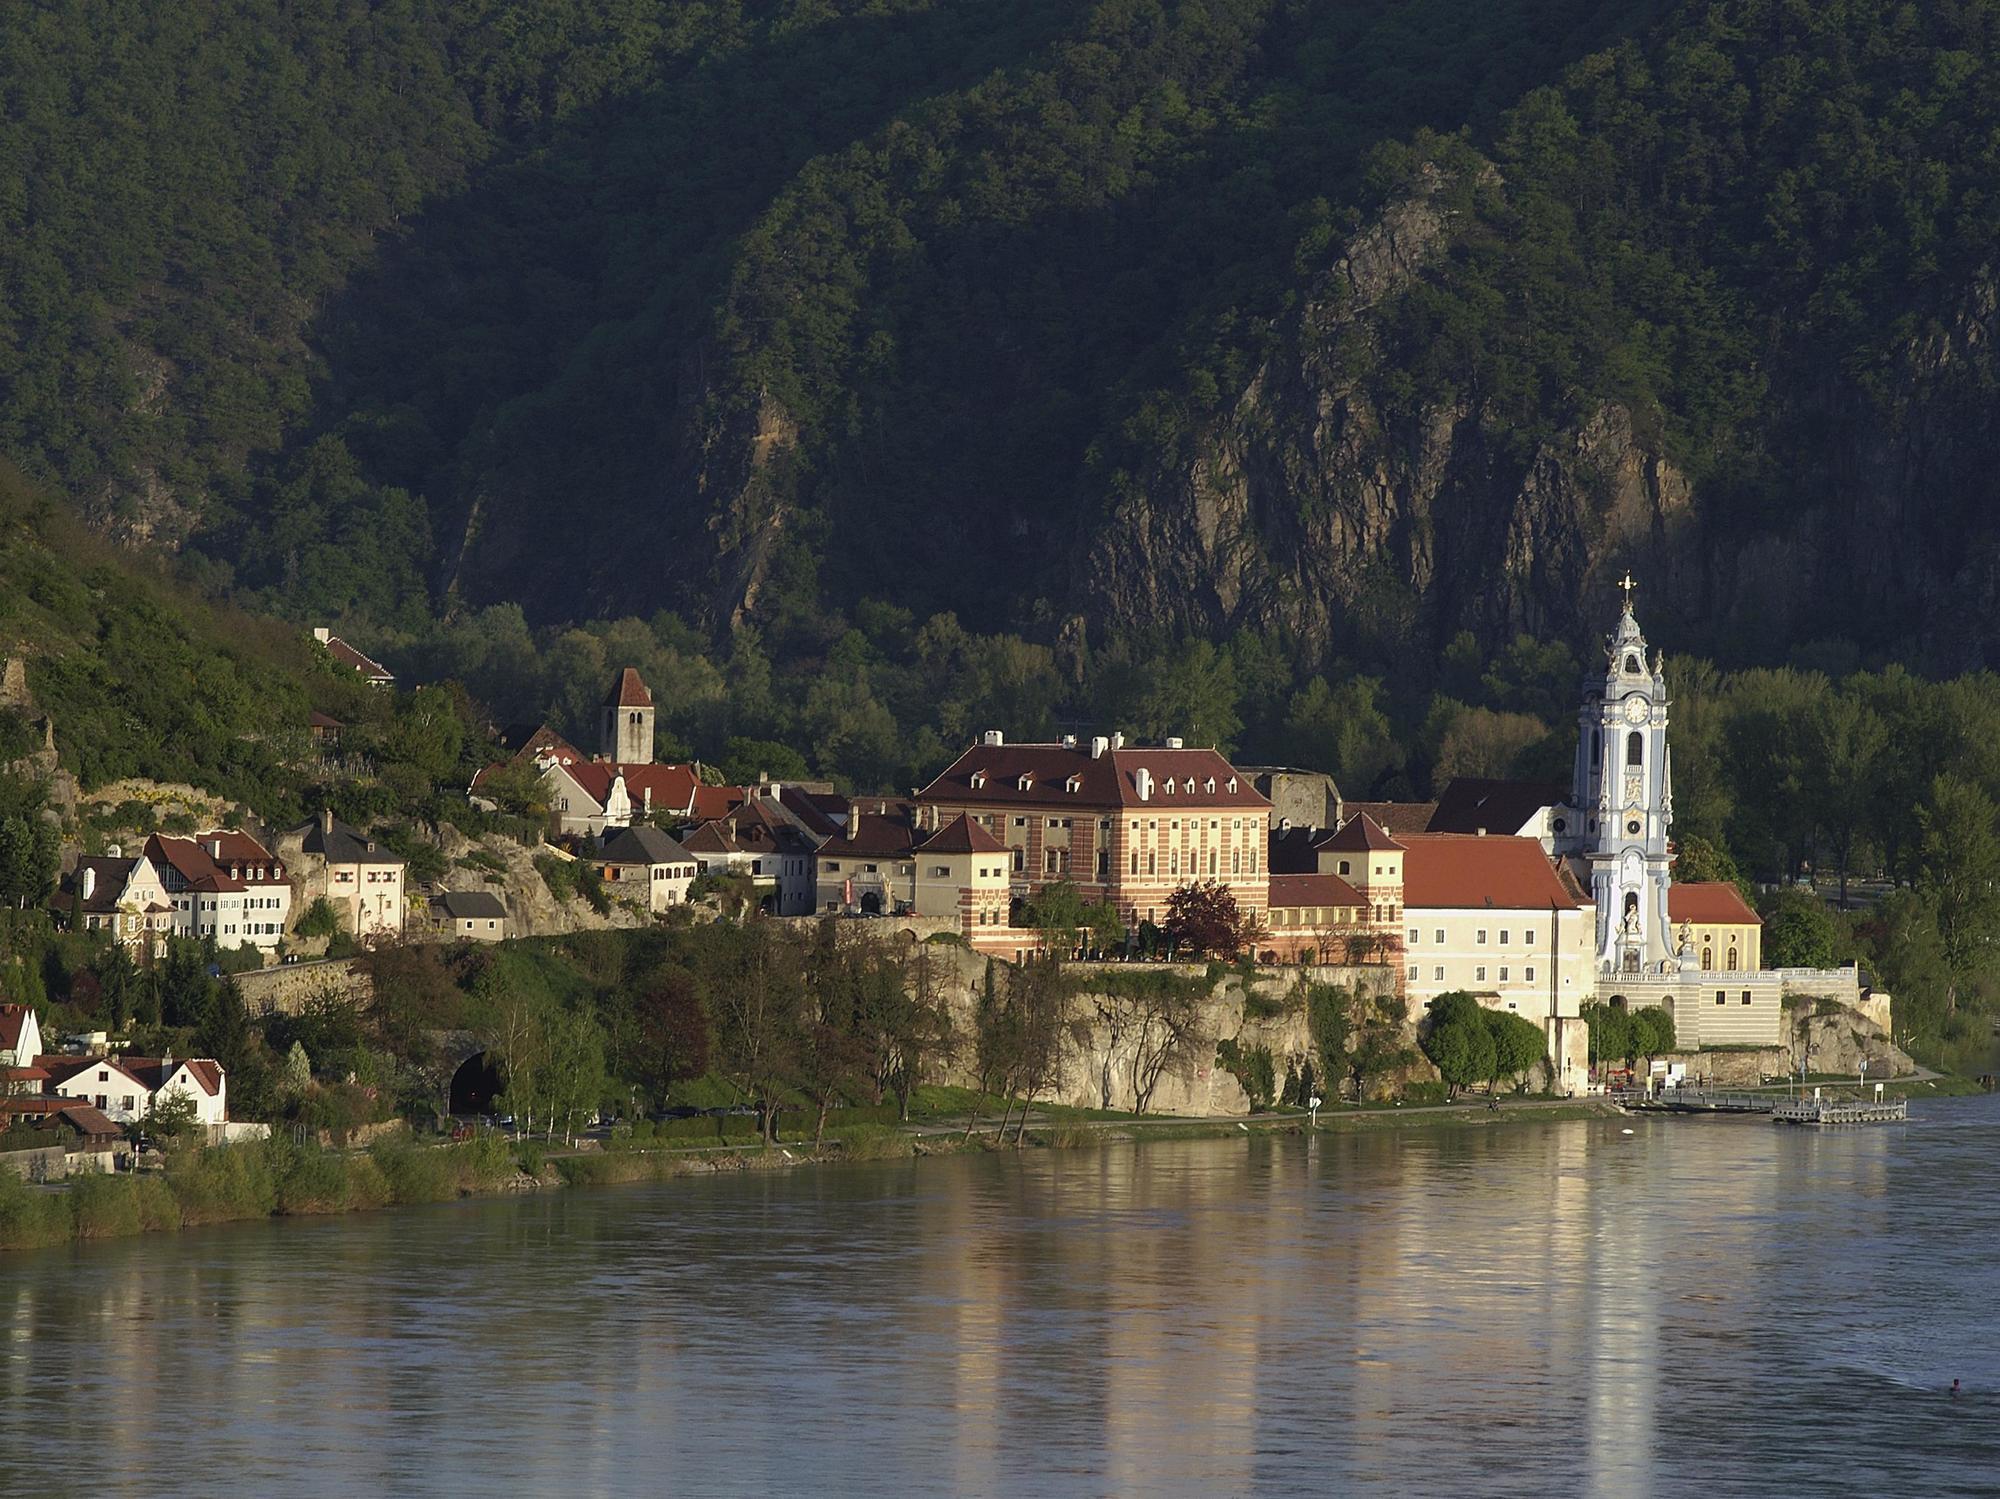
pixel 126 1089
pixel 223 884
pixel 646 864
pixel 361 880
pixel 125 897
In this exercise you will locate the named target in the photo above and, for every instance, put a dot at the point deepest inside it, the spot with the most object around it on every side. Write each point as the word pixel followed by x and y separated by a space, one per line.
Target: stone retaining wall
pixel 288 988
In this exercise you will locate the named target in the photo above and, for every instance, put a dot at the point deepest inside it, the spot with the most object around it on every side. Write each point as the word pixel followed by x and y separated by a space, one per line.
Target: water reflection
pixel 1541 1308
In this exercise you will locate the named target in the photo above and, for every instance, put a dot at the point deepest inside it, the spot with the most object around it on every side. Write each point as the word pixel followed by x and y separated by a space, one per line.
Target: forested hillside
pixel 1352 325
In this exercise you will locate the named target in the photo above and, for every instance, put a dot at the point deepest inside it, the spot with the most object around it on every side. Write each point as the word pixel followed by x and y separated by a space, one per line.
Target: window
pixel 1632 661
pixel 1480 936
pixel 1152 864
pixel 1528 975
pixel 1708 957
pixel 1504 938
pixel 1528 937
pixel 1135 861
pixel 872 868
pixel 1437 973
pixel 1732 960
pixel 1746 996
pixel 1503 975
pixel 1413 972
pixel 1236 861
pixel 1416 936
pixel 1020 822
pixel 1020 860
pixel 1635 749
pixel 1721 998
pixel 1345 867
pixel 1479 974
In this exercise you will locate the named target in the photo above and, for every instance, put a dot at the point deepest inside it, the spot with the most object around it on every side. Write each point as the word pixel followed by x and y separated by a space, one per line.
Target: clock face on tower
pixel 1636 710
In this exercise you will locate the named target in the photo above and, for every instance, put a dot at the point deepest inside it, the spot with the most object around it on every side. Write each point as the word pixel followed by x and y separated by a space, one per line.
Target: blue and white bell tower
pixel 1622 803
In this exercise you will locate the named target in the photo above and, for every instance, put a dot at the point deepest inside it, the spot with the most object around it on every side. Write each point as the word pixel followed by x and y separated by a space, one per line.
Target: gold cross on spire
pixel 1628 585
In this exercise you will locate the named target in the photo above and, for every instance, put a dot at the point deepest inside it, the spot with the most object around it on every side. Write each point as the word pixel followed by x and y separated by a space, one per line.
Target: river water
pixel 1717 1306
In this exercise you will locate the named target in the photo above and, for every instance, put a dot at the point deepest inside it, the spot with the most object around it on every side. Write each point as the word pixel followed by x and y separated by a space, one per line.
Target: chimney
pixel 1173 741
pixel 1482 832
pixel 1144 780
pixel 326 820
pixel 993 739
pixel 322 634
pixel 1098 746
pixel 116 851
pixel 1118 741
pixel 89 881
pixel 647 794
pixel 215 848
pixel 1069 741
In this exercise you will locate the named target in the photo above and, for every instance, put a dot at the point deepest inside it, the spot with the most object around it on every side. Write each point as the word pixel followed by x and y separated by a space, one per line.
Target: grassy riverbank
pixel 278 1178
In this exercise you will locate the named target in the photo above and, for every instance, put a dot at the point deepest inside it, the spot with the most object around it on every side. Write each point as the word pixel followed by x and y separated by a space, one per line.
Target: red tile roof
pixel 628 691
pixel 673 787
pixel 718 801
pixel 347 655
pixel 13 1020
pixel 1395 818
pixel 868 836
pixel 1362 832
pixel 962 836
pixel 1714 901
pixel 216 860
pixel 1465 871
pixel 1113 779
pixel 1292 890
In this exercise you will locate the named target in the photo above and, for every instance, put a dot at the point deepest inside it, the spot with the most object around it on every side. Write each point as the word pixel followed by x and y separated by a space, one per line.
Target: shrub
pixel 108 1206
pixel 529 1155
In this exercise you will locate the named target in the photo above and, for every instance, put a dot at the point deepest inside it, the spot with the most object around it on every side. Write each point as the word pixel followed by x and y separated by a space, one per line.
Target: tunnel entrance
pixel 476 1084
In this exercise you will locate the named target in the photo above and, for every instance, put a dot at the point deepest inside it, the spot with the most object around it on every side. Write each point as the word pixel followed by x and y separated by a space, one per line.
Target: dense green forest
pixel 756 310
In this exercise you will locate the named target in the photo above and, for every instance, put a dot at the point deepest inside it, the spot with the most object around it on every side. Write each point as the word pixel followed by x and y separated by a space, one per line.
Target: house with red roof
pixel 890 865
pixel 761 840
pixel 1717 930
pixel 1126 823
pixel 373 672
pixel 126 1088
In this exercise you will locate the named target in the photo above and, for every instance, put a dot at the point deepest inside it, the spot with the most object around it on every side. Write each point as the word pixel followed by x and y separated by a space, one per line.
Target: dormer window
pixel 979 780
pixel 1074 783
pixel 1209 786
pixel 1025 783
pixel 1188 785
pixel 1232 785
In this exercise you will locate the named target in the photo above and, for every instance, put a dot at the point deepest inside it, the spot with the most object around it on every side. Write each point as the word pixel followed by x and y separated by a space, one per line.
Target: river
pixel 1718 1306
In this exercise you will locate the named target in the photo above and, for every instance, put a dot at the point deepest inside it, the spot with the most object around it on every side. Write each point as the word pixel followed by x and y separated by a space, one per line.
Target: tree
pixel 1799 931
pixel 570 1079
pixel 1842 755
pixel 1652 1031
pixel 171 1115
pixel 298 1069
pixel 674 1037
pixel 1699 860
pixel 759 1000
pixel 1958 872
pixel 1202 917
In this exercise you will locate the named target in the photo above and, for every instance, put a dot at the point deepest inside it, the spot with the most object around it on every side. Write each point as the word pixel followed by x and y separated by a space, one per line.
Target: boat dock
pixel 1835 1111
pixel 1810 1109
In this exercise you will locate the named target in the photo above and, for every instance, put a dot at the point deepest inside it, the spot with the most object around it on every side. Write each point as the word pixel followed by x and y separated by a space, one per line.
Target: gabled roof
pixel 154 1073
pixel 1360 833
pixel 672 786
pixel 337 843
pixel 1293 890
pixel 13 1020
pixel 62 1068
pixel 1716 902
pixel 318 720
pixel 86 1120
pixel 1042 775
pixel 347 655
pixel 810 811
pixel 108 889
pixel 642 845
pixel 628 690
pixel 718 801
pixel 1470 803
pixel 218 860
pixel 1395 818
pixel 962 836
pixel 469 905
pixel 1464 871
pixel 870 836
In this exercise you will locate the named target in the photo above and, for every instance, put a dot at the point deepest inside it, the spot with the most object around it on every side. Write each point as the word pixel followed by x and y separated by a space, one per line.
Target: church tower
pixel 626 727
pixel 1622 803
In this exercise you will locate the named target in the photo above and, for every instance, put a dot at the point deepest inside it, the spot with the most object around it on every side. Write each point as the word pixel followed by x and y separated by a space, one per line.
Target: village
pixel 1544 902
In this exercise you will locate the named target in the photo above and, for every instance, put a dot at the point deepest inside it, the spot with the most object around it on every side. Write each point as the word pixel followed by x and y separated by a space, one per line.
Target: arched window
pixel 1635 748
pixel 1632 662
pixel 1732 960
pixel 1708 957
